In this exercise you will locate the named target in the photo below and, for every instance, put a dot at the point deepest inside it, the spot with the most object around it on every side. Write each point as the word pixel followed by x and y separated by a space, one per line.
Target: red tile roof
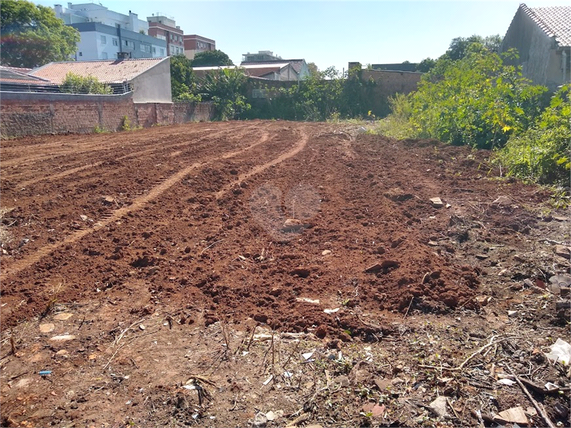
pixel 554 20
pixel 108 71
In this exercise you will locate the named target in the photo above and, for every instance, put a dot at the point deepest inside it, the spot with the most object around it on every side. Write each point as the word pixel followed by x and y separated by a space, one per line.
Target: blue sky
pixel 332 33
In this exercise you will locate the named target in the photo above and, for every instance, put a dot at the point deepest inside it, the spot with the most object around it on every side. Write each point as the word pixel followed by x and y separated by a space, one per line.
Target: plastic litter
pixel 560 352
pixel 45 372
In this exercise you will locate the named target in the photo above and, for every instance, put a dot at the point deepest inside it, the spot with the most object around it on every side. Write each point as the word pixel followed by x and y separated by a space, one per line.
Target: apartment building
pixel 165 28
pixel 110 35
pixel 194 44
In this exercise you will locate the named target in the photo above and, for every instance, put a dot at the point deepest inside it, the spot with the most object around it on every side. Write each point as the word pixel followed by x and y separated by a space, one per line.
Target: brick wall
pixel 35 113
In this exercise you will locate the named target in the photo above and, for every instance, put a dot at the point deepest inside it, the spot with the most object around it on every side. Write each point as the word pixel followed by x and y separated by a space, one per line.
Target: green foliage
pixel 476 100
pixel 460 46
pixel 426 65
pixel 183 83
pixel 75 84
pixel 541 153
pixel 227 89
pixel 125 123
pixel 32 35
pixel 211 59
pixel 398 123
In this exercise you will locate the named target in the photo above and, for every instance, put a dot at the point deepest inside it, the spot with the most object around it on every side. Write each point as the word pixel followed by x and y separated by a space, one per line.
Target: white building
pixel 110 35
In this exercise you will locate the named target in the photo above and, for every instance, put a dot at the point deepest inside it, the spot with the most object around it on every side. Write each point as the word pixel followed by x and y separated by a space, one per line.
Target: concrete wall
pixel 391 82
pixel 36 114
pixel 153 85
pixel 539 56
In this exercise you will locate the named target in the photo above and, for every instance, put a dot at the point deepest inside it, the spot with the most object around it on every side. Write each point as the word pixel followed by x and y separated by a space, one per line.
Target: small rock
pixel 63 338
pixel 260 420
pixel 292 224
pixel 142 327
pixel 374 409
pixel 483 300
pixel 377 267
pixel 108 199
pixel 563 251
pixel 560 218
pixel 62 352
pixel 436 202
pixel 512 313
pixel 482 256
pixel 325 252
pixel 63 316
pixel 47 328
pixel 561 280
pixel 83 217
pixel 307 300
pixel 272 416
pixel 440 406
pixel 502 201
pixel 515 415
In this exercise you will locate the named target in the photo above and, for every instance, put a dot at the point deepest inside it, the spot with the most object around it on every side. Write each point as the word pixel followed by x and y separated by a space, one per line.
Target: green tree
pixel 211 59
pixel 76 84
pixel 426 65
pixel 183 82
pixel 459 47
pixel 227 89
pixel 476 100
pixel 32 35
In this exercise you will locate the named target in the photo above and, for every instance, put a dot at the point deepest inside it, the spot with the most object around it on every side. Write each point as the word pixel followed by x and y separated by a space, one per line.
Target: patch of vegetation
pixel 76 84
pixel 541 153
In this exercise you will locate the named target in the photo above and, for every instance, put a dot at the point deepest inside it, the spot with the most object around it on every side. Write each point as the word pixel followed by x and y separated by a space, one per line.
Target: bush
pixel 76 84
pixel 227 89
pixel 476 100
pixel 541 154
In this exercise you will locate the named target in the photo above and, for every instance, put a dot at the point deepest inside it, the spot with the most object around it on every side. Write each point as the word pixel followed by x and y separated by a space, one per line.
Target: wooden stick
pixel 537 405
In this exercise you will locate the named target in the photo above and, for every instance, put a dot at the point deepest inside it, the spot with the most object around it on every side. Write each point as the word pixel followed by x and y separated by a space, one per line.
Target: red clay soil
pixel 309 229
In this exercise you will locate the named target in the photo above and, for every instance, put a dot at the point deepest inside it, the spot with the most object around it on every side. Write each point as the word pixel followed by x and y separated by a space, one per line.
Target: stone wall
pixel 39 113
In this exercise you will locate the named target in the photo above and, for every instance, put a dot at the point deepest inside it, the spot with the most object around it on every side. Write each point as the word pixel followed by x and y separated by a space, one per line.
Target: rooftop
pixel 554 20
pixel 108 71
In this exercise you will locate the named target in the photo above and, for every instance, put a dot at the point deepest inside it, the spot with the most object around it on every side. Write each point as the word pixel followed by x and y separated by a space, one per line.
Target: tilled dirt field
pixel 276 273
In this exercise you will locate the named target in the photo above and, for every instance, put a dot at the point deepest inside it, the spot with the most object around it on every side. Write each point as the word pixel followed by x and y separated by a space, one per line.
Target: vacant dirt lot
pixel 272 274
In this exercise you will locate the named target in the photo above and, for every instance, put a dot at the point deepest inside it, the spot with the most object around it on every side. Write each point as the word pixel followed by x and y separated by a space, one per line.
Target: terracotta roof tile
pixel 108 71
pixel 554 20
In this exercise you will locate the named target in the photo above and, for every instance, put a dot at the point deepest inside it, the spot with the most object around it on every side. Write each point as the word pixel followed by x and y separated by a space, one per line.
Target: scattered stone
pixel 436 202
pixel 502 201
pixel 47 328
pixel 515 415
pixel 483 300
pixel 62 352
pixel 83 217
pixel 374 409
pixel 382 384
pixel 439 406
pixel 560 218
pixel 326 252
pixel 482 256
pixel 398 195
pixel 331 311
pixel 307 300
pixel 385 265
pixel 563 251
pixel 142 327
pixel 108 199
pixel 63 316
pixel 433 243
pixel 380 250
pixel 63 338
pixel 292 225
pixel 260 420
pixel 561 280
pixel 512 313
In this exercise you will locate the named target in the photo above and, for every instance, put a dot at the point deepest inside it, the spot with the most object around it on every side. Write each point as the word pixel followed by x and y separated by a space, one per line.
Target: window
pixel 115 42
pixel 126 43
pixel 81 54
pixel 103 40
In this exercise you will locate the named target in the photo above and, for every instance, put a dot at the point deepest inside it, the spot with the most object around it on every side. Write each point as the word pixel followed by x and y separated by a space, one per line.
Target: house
pixel 149 79
pixel 299 68
pixel 194 44
pixel 282 71
pixel 165 28
pixel 110 35
pixel 542 37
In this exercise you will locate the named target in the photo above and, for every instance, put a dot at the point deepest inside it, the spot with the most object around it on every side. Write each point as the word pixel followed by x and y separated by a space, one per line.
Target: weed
pixel 125 123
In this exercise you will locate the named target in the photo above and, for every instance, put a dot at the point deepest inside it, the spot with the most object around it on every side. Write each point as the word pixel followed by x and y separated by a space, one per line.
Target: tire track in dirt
pixel 135 206
pixel 284 156
pixel 135 155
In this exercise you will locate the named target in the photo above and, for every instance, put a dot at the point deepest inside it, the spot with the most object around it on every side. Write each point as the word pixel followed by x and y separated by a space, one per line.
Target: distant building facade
pixel 194 44
pixel 165 28
pixel 288 69
pixel 109 35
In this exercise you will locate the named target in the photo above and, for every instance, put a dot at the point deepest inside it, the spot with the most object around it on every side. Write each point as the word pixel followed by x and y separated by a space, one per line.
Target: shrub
pixel 76 84
pixel 476 100
pixel 541 153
